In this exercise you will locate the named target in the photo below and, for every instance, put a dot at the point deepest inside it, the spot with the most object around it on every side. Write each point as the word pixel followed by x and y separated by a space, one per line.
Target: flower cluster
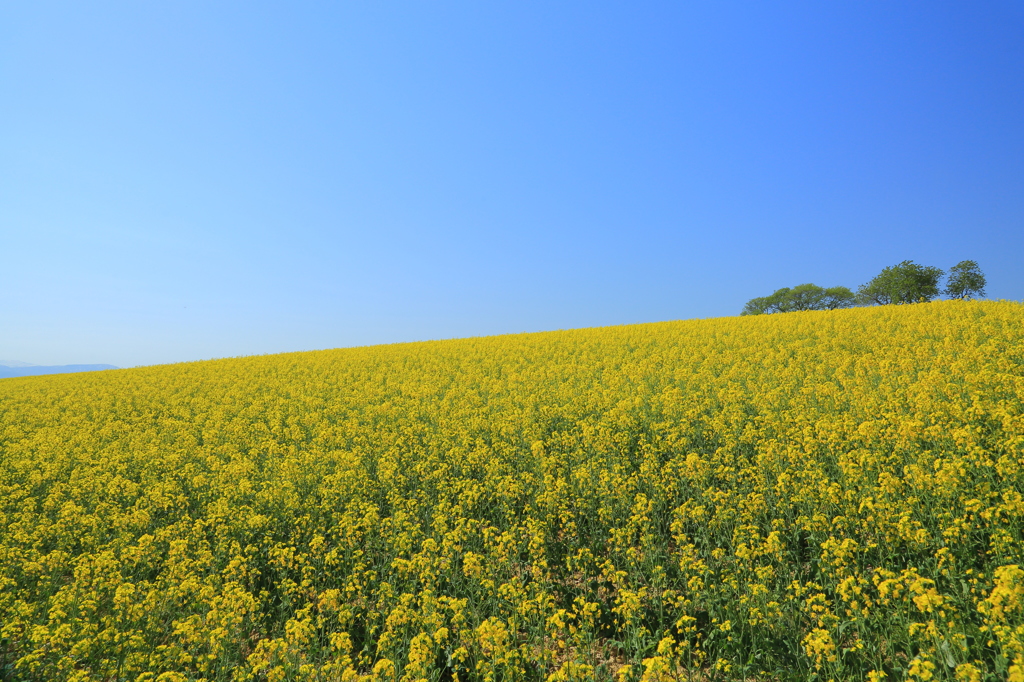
pixel 817 495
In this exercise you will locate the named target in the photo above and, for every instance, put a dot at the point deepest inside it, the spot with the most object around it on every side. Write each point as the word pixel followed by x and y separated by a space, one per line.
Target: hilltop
pixel 828 495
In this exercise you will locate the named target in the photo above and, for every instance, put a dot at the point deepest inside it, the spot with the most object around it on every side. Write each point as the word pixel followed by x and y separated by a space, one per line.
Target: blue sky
pixel 188 180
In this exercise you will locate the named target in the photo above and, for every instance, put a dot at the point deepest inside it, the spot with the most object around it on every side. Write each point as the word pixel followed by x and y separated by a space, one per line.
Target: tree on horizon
pixel 905 282
pixel 802 297
pixel 966 280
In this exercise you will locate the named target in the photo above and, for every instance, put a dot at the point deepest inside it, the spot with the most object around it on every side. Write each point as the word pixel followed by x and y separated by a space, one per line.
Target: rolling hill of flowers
pixel 818 495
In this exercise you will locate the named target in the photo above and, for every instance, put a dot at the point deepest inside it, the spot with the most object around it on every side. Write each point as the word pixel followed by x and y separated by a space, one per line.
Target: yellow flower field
pixel 821 495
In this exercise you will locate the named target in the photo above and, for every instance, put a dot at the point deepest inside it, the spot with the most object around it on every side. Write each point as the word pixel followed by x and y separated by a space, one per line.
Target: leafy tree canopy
pixel 906 282
pixel 802 297
pixel 965 280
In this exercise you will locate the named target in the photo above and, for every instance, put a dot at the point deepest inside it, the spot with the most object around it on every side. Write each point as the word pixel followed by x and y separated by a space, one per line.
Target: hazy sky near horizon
pixel 188 180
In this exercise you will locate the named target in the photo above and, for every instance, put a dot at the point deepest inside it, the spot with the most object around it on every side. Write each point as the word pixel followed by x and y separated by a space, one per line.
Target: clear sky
pixel 187 180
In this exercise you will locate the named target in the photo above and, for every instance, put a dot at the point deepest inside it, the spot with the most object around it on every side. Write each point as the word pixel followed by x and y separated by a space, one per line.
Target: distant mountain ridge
pixel 23 370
